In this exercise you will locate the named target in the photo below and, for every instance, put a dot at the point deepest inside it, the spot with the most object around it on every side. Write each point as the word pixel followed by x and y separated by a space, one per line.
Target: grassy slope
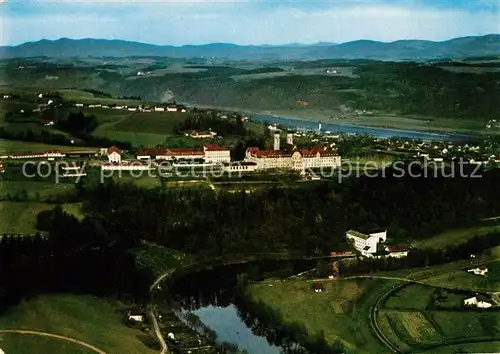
pixel 96 321
pixel 29 344
pixel 20 147
pixel 455 236
pixel 20 218
pixel 43 189
pixel 340 311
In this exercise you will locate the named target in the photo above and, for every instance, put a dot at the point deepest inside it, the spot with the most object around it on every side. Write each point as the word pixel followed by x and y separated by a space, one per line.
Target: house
pixel 216 153
pixel 318 287
pixel 171 109
pixel 136 315
pixel 114 155
pixel 183 110
pixel 479 301
pixel 6 96
pixel 78 104
pixel 159 109
pixel 145 154
pixel 132 109
pixel 479 271
pixel 47 123
pixel 397 251
pixel 366 244
pixel 302 103
pixel 201 134
pixel 2 169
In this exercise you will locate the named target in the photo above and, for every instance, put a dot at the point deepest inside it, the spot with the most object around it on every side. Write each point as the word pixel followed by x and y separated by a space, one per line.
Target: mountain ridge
pixel 406 49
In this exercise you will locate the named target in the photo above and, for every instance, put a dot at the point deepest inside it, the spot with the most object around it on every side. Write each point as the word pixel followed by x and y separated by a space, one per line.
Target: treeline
pixel 210 121
pixel 308 219
pixel 72 258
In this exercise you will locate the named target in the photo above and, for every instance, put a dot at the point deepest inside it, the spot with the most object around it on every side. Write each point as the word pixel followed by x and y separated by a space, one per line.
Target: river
pixel 362 130
pixel 210 294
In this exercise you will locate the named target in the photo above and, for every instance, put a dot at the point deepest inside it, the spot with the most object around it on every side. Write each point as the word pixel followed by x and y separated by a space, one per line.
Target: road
pixel 373 311
pixel 56 336
pixel 156 327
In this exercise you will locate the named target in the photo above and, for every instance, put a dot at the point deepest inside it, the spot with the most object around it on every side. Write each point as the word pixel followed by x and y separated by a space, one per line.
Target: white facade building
pixel 297 160
pixel 215 153
pixel 366 244
pixel 114 155
pixel 479 301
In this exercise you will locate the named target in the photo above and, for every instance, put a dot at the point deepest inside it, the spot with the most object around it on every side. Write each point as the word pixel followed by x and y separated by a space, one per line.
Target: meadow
pixel 20 217
pixel 456 236
pixel 98 322
pixel 340 311
pixel 23 147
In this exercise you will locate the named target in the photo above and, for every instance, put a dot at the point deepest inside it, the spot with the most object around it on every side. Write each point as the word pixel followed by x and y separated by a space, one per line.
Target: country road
pixel 56 336
pixel 373 311
pixel 164 347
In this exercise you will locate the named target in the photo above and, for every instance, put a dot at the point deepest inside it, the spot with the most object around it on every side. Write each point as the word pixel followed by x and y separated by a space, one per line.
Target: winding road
pixel 163 343
pixel 56 336
pixel 373 311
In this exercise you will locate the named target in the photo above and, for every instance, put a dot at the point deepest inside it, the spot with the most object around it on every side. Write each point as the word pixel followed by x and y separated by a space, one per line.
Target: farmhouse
pixel 114 154
pixel 397 251
pixel 216 153
pixel 479 271
pixel 201 134
pixel 318 287
pixel 479 301
pixel 366 244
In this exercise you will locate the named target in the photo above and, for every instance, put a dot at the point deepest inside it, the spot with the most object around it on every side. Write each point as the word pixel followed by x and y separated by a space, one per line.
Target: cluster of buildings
pixel 50 155
pixel 371 245
pixel 140 108
pixel 292 158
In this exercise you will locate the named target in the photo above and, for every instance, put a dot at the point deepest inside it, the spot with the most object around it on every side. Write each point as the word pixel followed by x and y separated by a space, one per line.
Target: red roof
pixel 113 149
pixel 397 248
pixel 302 102
pixel 254 151
pixel 483 267
pixel 318 285
pixel 183 152
pixel 214 147
pixel 313 152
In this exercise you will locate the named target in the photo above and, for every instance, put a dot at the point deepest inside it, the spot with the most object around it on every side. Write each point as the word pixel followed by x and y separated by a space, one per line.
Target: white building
pixel 298 159
pixel 239 166
pixel 201 134
pixel 366 244
pixel 277 138
pixel 171 109
pixel 78 104
pixel 216 153
pixel 479 271
pixel 479 301
pixel 114 155
pixel 126 166
pixel 159 109
pixel 397 251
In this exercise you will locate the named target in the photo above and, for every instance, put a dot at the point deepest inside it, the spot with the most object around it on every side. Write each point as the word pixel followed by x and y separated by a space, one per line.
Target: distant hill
pixel 488 45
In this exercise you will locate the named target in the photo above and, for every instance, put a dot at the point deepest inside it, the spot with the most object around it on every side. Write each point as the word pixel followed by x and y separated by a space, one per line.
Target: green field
pixel 461 279
pixel 29 344
pixel 98 322
pixel 36 190
pixel 455 236
pixel 340 310
pixel 22 147
pixel 20 217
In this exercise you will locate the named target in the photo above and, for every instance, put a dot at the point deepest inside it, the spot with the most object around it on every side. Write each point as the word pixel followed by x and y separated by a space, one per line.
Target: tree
pixel 323 269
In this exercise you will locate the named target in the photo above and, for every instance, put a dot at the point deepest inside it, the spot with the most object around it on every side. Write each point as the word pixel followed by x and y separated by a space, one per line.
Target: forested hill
pixel 362 49
pixel 310 219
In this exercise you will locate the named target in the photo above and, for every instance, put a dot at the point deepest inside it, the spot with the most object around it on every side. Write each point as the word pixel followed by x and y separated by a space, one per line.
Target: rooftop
pixel 357 234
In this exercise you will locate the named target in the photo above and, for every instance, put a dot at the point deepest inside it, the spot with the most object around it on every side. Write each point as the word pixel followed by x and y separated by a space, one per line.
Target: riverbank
pixel 391 122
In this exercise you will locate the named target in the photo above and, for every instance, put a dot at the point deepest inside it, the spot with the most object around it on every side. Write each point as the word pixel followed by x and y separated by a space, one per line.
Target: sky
pixel 246 21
